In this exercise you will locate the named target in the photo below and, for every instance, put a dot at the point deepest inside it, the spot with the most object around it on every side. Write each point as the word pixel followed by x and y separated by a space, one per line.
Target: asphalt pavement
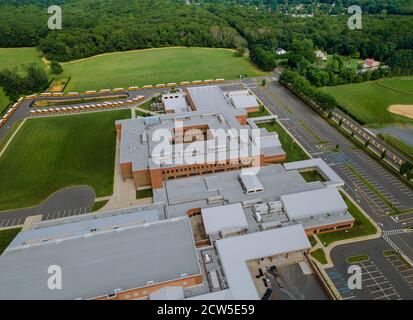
pixel 320 139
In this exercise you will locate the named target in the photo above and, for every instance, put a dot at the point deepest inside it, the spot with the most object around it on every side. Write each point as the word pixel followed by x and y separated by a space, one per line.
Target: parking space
pixel 65 213
pixel 56 214
pixel 375 284
pixel 4 223
pixel 341 284
pixel 402 268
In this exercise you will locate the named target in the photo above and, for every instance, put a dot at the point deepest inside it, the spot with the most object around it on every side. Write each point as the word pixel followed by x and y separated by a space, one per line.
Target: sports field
pixel 152 66
pixel 18 57
pixel 368 102
pixel 48 154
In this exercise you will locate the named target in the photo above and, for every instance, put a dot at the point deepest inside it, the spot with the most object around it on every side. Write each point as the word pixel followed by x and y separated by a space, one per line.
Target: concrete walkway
pixel 124 191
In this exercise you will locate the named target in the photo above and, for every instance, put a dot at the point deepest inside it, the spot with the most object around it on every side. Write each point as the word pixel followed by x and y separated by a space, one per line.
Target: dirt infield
pixel 402 109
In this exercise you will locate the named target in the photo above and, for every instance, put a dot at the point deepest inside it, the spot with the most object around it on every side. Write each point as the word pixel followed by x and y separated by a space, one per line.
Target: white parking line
pixel 375 284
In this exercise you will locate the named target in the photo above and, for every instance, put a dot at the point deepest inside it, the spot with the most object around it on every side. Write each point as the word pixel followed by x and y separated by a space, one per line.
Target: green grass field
pixel 51 153
pixel 18 57
pixel 154 66
pixel 368 101
pixel 11 58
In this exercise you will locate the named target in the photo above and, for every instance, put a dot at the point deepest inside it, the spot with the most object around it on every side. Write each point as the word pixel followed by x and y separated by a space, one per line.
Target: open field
pixel 154 66
pixel 17 57
pixel 4 101
pixel 368 102
pixel 48 154
pixel 11 58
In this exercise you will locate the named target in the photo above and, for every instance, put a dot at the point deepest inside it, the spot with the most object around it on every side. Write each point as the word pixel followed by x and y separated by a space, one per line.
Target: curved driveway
pixel 65 202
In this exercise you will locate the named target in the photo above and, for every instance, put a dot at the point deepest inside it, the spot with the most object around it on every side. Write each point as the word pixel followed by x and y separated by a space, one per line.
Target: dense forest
pixel 323 6
pixel 93 27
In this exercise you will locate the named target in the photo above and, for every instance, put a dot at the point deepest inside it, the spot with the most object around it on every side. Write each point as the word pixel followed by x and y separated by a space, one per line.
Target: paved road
pixel 63 203
pixel 320 139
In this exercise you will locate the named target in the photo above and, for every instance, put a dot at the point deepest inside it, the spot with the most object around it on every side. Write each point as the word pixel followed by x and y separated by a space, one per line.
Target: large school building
pixel 209 134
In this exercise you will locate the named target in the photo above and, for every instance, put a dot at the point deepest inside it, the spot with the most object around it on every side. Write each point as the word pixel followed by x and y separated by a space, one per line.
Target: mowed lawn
pixel 18 57
pixel 368 101
pixel 11 58
pixel 48 154
pixel 153 66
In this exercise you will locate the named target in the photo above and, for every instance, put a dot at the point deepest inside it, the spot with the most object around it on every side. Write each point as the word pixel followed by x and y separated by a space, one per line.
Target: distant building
pixel 280 51
pixel 320 55
pixel 371 64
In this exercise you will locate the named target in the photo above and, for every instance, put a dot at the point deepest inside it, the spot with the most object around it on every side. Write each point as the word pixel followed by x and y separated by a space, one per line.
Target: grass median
pixel 293 151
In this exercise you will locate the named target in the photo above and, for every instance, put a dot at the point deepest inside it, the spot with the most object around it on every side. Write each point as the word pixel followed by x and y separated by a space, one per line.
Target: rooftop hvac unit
pixel 144 138
pixel 250 203
pixel 216 199
pixel 270 225
pixel 152 120
pixel 261 207
pixel 275 206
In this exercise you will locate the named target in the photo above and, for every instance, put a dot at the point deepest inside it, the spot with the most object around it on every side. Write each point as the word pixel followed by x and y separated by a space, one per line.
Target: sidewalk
pixel 124 191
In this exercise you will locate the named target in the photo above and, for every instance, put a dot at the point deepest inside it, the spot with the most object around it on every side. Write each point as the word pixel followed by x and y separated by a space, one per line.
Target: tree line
pixel 302 86
pixel 14 83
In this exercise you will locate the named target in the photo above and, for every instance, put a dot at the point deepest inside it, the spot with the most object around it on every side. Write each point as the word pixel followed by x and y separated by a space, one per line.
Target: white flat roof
pixel 244 101
pixel 235 252
pixel 98 263
pixel 313 203
pixel 225 217
pixel 251 182
pixel 175 102
pixel 320 164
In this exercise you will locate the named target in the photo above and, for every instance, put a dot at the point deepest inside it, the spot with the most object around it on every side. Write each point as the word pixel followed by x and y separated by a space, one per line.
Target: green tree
pixel 55 67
